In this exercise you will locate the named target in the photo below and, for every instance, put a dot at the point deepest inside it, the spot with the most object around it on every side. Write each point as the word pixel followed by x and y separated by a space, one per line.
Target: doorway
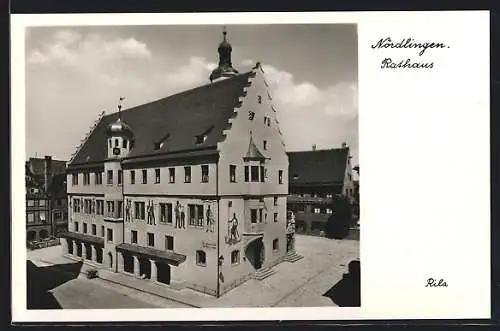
pixel 88 251
pixel 255 254
pixel 163 275
pixel 128 263
pixel 110 260
pixel 145 268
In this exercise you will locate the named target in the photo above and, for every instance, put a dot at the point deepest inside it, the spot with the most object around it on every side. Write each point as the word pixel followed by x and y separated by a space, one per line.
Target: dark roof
pixel 317 167
pixel 175 120
pixel 37 166
pixel 167 256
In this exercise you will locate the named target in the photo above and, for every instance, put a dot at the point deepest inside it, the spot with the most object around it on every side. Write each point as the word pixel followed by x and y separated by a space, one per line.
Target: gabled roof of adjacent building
pixel 37 166
pixel 189 121
pixel 326 166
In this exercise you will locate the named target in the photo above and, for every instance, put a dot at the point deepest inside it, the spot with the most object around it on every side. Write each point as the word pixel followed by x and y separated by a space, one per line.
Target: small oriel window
pixel 259 99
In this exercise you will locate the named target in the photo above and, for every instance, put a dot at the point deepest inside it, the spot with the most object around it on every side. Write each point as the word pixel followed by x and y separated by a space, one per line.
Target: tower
pixel 225 68
pixel 119 137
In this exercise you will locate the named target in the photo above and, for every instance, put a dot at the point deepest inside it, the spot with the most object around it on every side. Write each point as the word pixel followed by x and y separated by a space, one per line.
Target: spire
pixel 120 108
pixel 225 68
pixel 253 153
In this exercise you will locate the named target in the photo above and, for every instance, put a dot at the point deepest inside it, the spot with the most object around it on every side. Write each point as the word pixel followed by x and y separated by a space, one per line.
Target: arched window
pixel 201 258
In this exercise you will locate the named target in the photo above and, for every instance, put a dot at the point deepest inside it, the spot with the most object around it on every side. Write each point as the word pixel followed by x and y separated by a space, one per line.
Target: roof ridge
pixel 219 82
pixel 319 150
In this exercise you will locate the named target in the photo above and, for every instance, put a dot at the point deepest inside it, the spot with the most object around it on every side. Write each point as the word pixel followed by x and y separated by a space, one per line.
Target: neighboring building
pixel 315 177
pixel 46 203
pixel 189 190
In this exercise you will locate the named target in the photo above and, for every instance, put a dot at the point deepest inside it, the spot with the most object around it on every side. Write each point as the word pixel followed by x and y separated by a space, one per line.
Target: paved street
pixel 308 282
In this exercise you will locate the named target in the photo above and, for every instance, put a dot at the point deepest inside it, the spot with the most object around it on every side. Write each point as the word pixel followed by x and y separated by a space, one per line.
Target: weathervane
pixel 120 107
pixel 224 32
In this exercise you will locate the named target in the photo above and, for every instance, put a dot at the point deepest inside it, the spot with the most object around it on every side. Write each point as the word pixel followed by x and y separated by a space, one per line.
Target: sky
pixel 75 73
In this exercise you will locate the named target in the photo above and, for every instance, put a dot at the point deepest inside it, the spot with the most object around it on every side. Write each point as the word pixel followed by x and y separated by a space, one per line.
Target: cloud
pixel 70 48
pixel 311 115
pixel 194 73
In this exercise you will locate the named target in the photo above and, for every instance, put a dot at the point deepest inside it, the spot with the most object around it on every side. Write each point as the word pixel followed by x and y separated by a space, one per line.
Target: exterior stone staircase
pixel 292 257
pixel 263 273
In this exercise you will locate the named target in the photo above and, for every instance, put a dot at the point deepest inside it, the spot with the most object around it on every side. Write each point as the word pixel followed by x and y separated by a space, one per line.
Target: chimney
pixel 47 171
pixel 314 147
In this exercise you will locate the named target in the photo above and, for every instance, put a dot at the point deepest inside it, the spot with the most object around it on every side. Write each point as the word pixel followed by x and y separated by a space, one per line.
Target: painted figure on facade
pixel 234 235
pixel 151 214
pixel 127 210
pixel 177 212
pixel 183 218
pixel 210 220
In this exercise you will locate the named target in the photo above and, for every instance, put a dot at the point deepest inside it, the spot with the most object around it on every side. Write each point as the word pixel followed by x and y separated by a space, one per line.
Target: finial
pixel 224 32
pixel 120 107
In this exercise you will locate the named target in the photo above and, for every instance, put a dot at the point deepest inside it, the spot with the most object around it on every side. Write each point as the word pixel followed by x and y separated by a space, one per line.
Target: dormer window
pixel 116 142
pixel 159 144
pixel 125 141
pixel 200 139
pixel 295 177
pixel 265 144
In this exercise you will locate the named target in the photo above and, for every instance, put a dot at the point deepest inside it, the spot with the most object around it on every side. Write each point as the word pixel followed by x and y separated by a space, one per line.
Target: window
pixel 76 227
pixel 232 173
pixel 120 177
pixel 260 215
pixel 276 245
pixel 110 177
pixel 166 212
pixel 259 99
pixel 255 173
pixel 102 231
pixel 43 217
pixel 144 176
pixel 169 243
pixel 110 235
pixel 94 229
pixel 151 239
pixel 110 143
pixel 86 178
pixel 201 258
pixel 196 215
pixel 132 176
pixel 275 217
pixel 235 257
pixel 187 174
pixel 204 173
pixel 100 207
pixel 133 237
pixel 280 176
pixel 119 209
pixel 111 208
pixel 328 211
pixel 269 121
pixel 316 210
pixel 247 175
pixel 157 176
pixel 98 178
pixel 139 210
pixel 275 201
pixel 116 142
pixel 262 173
pixel 251 115
pixel 171 175
pixel 253 215
pixel 329 195
pixel 31 203
pixel 74 179
pixel 124 143
pixel 350 177
pixel 42 202
pixel 265 144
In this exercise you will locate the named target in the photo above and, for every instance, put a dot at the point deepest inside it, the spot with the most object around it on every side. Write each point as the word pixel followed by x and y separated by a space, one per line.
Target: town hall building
pixel 190 190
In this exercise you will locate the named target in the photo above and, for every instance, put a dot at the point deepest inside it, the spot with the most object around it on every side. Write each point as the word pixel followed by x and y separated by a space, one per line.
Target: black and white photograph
pixel 192 166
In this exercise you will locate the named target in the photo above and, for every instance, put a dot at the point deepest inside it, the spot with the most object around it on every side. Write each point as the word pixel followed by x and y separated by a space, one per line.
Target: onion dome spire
pixel 225 68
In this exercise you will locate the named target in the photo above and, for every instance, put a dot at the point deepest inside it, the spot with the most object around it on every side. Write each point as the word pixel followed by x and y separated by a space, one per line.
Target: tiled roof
pixel 326 166
pixel 168 256
pixel 176 121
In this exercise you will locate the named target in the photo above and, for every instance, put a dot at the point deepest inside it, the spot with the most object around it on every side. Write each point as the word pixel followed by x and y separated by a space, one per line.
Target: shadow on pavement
pixel 346 293
pixel 40 280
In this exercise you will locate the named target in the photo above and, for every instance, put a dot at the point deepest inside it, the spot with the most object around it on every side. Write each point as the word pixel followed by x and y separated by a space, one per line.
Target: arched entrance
pixel 31 235
pixel 128 263
pixel 70 246
pixel 88 251
pixel 99 254
pixel 44 234
pixel 255 254
pixel 110 260
pixel 79 249
pixel 145 268
pixel 163 273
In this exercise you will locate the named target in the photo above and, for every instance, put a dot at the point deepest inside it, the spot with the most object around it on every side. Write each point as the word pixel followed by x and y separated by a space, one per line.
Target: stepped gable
pixel 176 121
